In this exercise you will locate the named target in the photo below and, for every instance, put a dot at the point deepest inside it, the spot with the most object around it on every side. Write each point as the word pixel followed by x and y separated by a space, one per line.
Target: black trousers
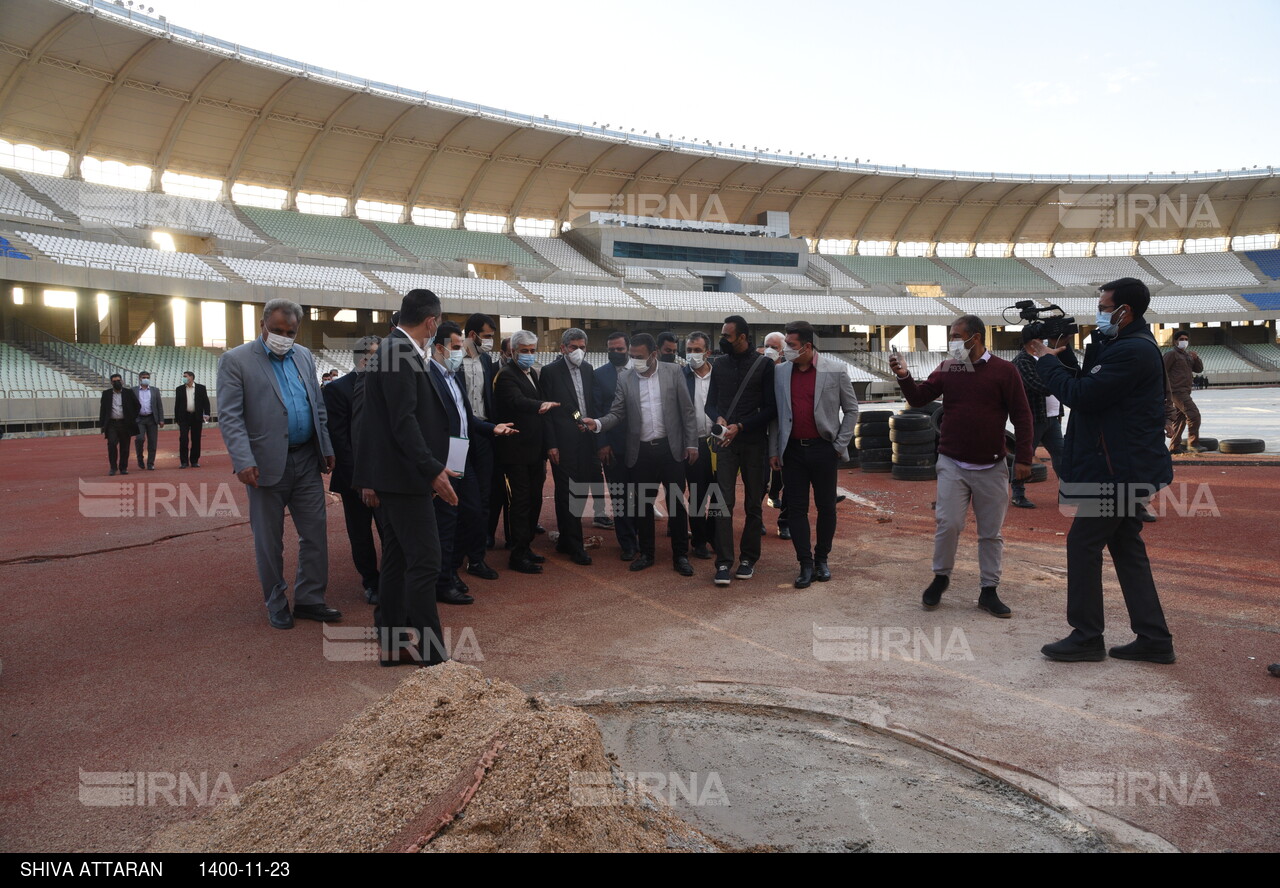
pixel 572 479
pixel 360 521
pixel 804 468
pixel 1122 536
pixel 451 521
pixel 622 497
pixel 473 513
pixel 654 473
pixel 118 445
pixel 498 502
pixel 700 478
pixel 149 429
pixel 747 458
pixel 410 566
pixel 524 484
pixel 189 430
pixel 778 494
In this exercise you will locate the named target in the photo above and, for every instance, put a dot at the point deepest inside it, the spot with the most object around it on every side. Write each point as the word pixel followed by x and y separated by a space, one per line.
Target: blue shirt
pixel 294 392
pixel 454 390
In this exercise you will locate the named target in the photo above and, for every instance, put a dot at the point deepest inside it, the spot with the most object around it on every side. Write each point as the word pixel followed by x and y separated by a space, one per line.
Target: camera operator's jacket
pixel 1115 436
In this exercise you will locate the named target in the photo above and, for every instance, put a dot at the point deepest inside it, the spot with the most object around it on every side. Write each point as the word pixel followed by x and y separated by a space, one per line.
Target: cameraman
pixel 1114 457
pixel 1046 410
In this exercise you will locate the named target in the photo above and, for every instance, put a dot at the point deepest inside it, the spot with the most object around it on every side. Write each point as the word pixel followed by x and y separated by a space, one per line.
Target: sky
pixel 1082 87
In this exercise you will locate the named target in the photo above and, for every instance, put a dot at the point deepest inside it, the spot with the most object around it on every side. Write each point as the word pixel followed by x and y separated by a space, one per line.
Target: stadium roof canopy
pixel 91 78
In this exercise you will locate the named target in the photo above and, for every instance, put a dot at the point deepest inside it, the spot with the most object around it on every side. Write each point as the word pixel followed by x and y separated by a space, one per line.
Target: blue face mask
pixel 455 360
pixel 526 361
pixel 1105 327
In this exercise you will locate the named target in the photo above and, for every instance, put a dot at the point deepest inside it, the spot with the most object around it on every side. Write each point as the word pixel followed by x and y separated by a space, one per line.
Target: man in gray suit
pixel 806 442
pixel 661 435
pixel 274 424
pixel 150 419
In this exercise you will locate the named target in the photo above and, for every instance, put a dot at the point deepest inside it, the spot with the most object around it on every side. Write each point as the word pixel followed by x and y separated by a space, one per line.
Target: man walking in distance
pixel 518 399
pixel 653 401
pixel 191 411
pixel 570 381
pixel 699 474
pixel 398 474
pixel 339 400
pixel 274 424
pixel 1046 413
pixel 982 393
pixel 817 411
pixel 613 446
pixel 1180 368
pixel 1113 459
pixel 150 419
pixel 741 401
pixel 118 419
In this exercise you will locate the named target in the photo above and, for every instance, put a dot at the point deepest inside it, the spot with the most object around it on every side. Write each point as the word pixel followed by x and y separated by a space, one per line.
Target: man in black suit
pixel 700 475
pixel 518 399
pixel 398 472
pixel 339 398
pixel 475 377
pixel 613 446
pixel 570 380
pixel 190 411
pixel 118 419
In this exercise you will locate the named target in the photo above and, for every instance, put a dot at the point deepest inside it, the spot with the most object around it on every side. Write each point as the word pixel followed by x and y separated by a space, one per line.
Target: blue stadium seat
pixel 1265 301
pixel 1268 262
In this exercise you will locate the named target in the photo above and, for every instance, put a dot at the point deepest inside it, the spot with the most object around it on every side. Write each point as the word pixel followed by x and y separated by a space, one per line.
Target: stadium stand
pixel 166 363
pixel 905 305
pixel 840 280
pixel 1196 306
pixel 687 275
pixel 1000 274
pixel 126 208
pixel 459 245
pixel 898 270
pixel 992 308
pixel 800 304
pixel 695 300
pixel 14 203
pixel 565 294
pixel 1268 262
pixel 303 277
pixel 333 359
pixel 564 257
pixel 1220 359
pixel 336 235
pixel 1194 270
pixel 451 287
pixel 636 273
pixel 20 373
pixel 141 260
pixel 795 281
pixel 1098 270
pixel 1264 301
pixel 856 373
pixel 1267 352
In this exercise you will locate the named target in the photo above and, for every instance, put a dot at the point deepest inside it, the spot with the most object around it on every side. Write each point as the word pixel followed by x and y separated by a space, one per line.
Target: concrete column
pixel 87 329
pixel 234 312
pixel 118 318
pixel 164 321
pixel 195 323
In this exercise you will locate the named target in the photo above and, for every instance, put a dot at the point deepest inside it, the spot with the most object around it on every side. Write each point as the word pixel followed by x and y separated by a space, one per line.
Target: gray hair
pixel 777 333
pixel 288 306
pixel 523 337
pixel 571 334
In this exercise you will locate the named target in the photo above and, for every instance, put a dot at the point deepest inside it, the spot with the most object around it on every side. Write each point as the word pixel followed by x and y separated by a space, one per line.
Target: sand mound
pixel 366 788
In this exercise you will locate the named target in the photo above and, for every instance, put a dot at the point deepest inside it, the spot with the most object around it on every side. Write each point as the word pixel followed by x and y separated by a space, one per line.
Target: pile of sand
pixel 364 789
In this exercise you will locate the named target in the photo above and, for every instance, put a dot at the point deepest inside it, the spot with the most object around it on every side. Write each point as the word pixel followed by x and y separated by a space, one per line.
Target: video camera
pixel 1044 323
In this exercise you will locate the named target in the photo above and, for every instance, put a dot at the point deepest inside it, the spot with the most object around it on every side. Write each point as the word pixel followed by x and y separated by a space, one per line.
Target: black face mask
pixel 618 359
pixel 726 346
pixel 117 385
pixel 667 359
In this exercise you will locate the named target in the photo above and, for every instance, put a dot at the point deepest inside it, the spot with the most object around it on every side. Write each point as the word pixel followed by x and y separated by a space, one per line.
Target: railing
pixel 54 350
pixel 1248 355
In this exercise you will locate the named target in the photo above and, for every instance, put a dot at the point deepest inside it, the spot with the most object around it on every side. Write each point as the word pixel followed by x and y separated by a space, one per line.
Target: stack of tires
pixel 871 437
pixel 914 443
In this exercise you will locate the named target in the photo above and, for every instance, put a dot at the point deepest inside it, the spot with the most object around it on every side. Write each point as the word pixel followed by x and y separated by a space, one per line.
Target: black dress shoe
pixel 805 578
pixel 933 595
pixel 1147 651
pixel 784 533
pixel 182 465
pixel 525 567
pixel 821 572
pixel 701 552
pixel 628 554
pixel 1069 650
pixel 539 529
pixel 990 602
pixel 580 557
pixel 482 570
pixel 320 612
pixel 537 559
pixel 682 566
pixel 1023 503
pixel 370 595
pixel 281 619
pixel 459 585
pixel 453 596
pixel 490 543
pixel 195 465
pixel 642 562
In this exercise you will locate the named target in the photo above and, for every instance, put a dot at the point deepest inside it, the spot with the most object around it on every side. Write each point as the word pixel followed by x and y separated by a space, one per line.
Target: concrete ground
pixel 139 643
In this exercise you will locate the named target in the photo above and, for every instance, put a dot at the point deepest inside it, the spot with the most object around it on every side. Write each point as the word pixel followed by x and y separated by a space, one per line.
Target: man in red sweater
pixel 981 393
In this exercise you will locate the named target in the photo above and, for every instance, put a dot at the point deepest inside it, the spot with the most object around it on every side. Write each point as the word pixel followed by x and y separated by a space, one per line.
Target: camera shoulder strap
pixel 751 371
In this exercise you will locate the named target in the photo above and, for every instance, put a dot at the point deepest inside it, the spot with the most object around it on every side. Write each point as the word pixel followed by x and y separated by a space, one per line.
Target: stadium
pixel 159 186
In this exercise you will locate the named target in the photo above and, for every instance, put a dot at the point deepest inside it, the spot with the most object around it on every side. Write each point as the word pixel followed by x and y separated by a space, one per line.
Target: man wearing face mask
pixel 570 381
pixel 190 410
pixel 273 421
pixel 476 378
pixel 1180 367
pixel 150 419
pixel 741 401
pixel 1046 410
pixel 699 474
pixel 613 445
pixel 118 420
pixel 1113 459
pixel 668 347
pixel 982 393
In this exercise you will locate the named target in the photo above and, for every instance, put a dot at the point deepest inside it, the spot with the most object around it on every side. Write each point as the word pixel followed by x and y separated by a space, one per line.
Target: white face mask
pixel 695 359
pixel 638 365
pixel 144 382
pixel 790 353
pixel 486 345
pixel 958 349
pixel 771 354
pixel 279 345
pixel 575 357
pixel 1183 343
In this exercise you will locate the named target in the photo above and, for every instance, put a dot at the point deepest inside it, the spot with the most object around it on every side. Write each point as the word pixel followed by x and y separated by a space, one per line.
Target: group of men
pixel 137 414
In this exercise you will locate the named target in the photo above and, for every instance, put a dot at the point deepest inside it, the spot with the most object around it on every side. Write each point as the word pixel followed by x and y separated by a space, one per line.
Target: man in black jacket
pixel 570 381
pixel 399 467
pixel 1114 459
pixel 741 399
pixel 118 420
pixel 475 376
pixel 339 398
pixel 1046 411
pixel 613 446
pixel 190 411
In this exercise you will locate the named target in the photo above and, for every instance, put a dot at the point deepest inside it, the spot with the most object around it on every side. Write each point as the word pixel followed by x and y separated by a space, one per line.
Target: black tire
pixel 1242 445
pixel 915 459
pixel 875 455
pixel 876 443
pixel 929 449
pixel 871 429
pixel 875 415
pixel 913 436
pixel 927 410
pixel 1039 472
pixel 877 468
pixel 1208 443
pixel 910 422
pixel 914 473
pixel 935 418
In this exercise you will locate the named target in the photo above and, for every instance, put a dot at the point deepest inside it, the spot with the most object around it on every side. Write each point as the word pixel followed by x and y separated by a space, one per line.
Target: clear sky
pixel 1082 87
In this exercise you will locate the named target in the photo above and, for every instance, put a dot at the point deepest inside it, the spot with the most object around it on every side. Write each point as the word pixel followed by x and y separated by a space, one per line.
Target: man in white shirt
pixel 150 419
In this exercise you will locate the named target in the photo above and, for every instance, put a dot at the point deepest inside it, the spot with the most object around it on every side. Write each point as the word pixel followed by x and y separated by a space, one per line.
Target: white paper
pixel 458 448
